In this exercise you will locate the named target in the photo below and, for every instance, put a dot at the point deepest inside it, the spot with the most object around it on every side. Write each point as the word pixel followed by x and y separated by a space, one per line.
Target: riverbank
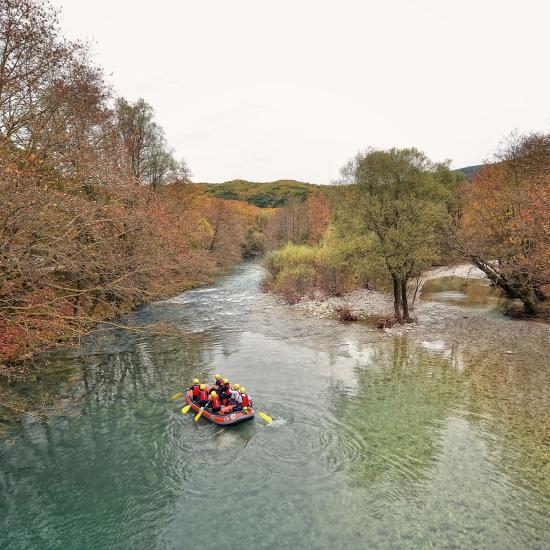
pixel 367 304
pixel 372 305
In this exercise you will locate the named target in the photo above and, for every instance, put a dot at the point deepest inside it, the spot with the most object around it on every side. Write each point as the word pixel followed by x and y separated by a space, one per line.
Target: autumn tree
pixel 300 221
pixel 505 228
pixel 79 241
pixel 30 59
pixel 318 216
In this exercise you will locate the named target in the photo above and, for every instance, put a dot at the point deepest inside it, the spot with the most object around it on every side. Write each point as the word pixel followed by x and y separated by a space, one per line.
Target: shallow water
pixel 424 440
pixel 467 292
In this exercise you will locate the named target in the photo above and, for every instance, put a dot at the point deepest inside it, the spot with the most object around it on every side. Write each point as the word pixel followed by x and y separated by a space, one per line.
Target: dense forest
pixel 99 216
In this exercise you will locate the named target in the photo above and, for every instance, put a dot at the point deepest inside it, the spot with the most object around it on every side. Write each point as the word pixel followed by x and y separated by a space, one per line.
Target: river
pixel 436 438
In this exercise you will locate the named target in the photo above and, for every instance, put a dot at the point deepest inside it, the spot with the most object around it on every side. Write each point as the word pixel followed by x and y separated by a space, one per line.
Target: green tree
pixel 401 198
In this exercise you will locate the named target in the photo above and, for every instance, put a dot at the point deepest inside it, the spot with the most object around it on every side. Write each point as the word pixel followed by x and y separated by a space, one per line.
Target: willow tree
pixel 400 198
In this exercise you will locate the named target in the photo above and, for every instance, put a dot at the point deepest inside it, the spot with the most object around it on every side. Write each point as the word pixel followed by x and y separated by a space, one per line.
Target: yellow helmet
pixel 243 390
pixel 202 387
pixel 195 380
pixel 213 393
pixel 225 381
pixel 217 376
pixel 236 386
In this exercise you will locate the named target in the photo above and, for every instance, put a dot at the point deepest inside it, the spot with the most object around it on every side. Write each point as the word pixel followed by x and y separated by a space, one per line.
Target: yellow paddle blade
pixel 198 415
pixel 185 409
pixel 175 396
pixel 266 417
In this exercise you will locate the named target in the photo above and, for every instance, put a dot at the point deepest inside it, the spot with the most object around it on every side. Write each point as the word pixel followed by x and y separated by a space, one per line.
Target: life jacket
pixel 195 390
pixel 203 395
pixel 245 400
pixel 215 403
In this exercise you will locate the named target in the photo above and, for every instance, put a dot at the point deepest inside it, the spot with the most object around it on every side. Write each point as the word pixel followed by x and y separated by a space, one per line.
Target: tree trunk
pixel 397 298
pixel 404 300
pixel 528 297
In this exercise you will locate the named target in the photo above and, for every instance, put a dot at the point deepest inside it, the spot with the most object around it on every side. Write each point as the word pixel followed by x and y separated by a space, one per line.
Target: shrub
pixel 345 314
pixel 297 270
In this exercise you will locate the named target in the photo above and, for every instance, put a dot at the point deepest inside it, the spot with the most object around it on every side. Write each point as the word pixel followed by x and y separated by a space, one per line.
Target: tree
pixel 400 197
pixel 505 227
pixel 30 60
pixel 289 224
pixel 136 126
pixel 151 160
pixel 318 216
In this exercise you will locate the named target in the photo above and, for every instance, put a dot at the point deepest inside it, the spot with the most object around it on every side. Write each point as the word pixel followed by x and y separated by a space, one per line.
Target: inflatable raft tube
pixel 229 419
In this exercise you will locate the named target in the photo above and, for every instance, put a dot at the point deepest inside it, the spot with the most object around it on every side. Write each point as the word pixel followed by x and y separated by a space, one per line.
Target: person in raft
pixel 203 395
pixel 246 400
pixel 235 398
pixel 225 392
pixel 195 387
pixel 218 382
pixel 215 404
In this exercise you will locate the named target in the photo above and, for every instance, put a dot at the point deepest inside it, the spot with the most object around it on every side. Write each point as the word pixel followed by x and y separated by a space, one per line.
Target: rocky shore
pixel 372 304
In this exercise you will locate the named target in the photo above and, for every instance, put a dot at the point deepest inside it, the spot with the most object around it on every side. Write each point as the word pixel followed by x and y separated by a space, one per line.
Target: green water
pixel 468 293
pixel 434 439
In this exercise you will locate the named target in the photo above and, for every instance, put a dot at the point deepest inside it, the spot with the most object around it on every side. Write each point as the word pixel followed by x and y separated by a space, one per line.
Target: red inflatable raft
pixel 229 419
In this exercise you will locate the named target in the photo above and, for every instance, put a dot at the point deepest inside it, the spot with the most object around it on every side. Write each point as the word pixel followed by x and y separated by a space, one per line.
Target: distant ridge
pixel 273 194
pixel 470 171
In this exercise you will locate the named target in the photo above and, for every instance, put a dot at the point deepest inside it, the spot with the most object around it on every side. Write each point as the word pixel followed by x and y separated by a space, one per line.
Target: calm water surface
pixel 419 441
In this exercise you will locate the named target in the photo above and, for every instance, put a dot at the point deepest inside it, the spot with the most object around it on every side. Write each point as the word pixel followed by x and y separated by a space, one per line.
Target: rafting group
pixel 221 403
pixel 221 397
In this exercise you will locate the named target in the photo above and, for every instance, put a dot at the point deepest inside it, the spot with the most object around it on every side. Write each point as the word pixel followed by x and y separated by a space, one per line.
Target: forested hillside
pixel 470 171
pixel 265 195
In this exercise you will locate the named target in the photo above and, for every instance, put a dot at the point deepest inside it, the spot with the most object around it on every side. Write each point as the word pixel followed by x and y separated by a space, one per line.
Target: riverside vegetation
pixel 396 213
pixel 97 214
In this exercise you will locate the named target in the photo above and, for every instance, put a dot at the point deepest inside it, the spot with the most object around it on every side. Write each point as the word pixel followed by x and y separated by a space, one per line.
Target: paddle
pixel 186 408
pixel 266 417
pixel 201 411
pixel 176 396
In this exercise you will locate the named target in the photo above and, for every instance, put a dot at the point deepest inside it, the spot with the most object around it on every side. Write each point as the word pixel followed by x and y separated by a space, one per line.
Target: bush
pixel 345 314
pixel 297 270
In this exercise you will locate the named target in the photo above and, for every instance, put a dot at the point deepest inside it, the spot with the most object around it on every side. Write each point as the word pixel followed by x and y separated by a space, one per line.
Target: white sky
pixel 291 89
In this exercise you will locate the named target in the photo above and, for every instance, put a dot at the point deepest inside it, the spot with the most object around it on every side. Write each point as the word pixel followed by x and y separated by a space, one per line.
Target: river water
pixel 436 438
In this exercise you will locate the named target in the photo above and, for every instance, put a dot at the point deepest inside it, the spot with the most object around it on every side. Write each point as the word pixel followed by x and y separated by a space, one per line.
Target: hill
pixel 272 194
pixel 469 171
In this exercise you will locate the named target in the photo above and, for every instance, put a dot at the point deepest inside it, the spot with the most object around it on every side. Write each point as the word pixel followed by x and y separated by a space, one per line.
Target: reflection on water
pixel 434 439
pixel 468 293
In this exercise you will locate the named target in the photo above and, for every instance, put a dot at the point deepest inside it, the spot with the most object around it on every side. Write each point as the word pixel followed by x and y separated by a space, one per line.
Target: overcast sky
pixel 291 89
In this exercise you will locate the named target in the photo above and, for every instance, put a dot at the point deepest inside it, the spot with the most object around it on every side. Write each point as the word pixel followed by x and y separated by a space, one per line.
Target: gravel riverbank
pixel 372 304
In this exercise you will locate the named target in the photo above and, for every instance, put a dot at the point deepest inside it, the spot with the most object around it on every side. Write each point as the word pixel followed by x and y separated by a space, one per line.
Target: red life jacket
pixel 215 402
pixel 195 390
pixel 245 401
pixel 203 396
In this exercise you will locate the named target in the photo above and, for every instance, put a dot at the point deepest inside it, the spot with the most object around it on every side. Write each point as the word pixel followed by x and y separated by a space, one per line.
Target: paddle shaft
pixel 201 411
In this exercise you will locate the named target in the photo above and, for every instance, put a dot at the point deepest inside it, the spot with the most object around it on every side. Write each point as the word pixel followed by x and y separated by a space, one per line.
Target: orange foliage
pixel 507 219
